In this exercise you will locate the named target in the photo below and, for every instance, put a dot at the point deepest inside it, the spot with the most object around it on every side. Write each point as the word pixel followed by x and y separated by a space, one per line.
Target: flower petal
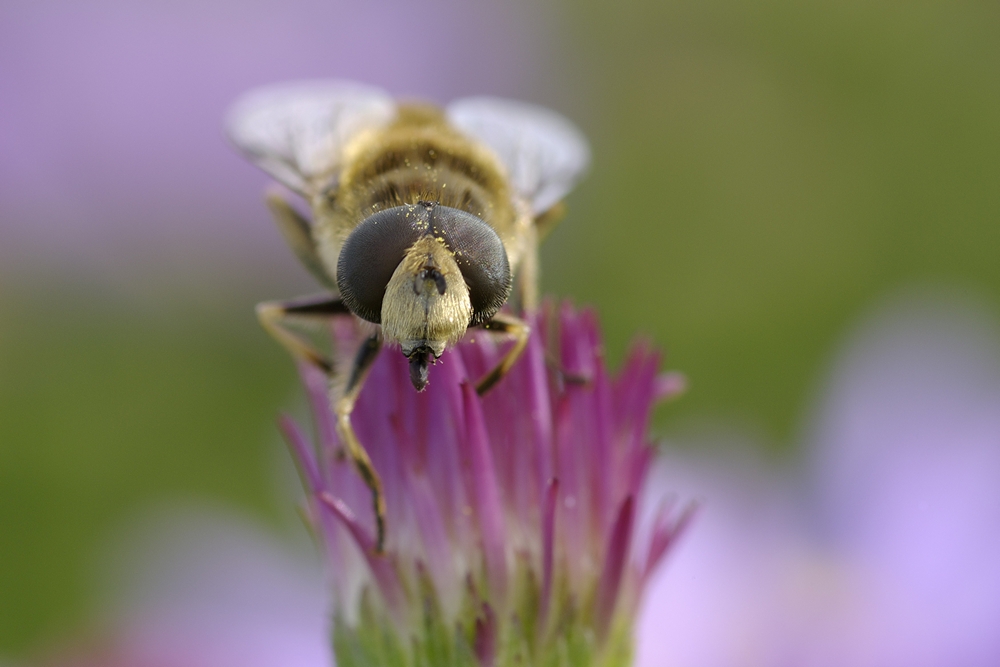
pixel 614 566
pixel 485 493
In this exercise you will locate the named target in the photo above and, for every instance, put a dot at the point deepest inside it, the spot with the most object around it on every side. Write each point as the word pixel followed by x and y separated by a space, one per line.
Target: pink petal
pixel 381 567
pixel 485 493
pixel 302 452
pixel 614 566
pixel 548 549
pixel 485 646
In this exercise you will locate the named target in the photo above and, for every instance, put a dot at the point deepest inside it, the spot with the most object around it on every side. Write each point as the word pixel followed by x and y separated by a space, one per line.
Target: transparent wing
pixel 545 154
pixel 297 131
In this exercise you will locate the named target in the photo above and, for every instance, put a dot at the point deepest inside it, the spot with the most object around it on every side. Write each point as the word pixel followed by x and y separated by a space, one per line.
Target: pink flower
pixel 513 519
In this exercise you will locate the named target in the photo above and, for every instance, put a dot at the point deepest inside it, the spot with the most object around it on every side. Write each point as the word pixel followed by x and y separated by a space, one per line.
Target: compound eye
pixel 480 256
pixel 371 254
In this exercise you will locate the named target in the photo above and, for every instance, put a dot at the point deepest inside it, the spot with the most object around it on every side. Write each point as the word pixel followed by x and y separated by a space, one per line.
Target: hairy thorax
pixel 419 157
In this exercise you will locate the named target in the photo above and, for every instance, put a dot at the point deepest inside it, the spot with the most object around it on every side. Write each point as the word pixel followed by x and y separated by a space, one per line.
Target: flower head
pixel 514 535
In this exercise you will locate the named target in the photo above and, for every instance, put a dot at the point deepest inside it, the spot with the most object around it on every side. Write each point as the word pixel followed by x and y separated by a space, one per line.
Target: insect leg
pixel 344 407
pixel 272 315
pixel 297 233
pixel 504 323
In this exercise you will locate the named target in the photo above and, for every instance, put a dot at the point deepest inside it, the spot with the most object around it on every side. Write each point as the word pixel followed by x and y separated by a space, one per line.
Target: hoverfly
pixel 424 220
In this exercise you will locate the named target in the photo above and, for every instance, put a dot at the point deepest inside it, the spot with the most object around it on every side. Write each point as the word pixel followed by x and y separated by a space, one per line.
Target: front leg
pixel 504 323
pixel 344 406
pixel 274 316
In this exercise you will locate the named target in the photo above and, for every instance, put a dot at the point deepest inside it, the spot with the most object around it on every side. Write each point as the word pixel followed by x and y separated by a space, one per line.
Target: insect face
pixel 426 273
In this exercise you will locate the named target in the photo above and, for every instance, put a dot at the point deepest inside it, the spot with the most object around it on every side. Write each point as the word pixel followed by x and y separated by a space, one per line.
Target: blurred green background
pixel 763 172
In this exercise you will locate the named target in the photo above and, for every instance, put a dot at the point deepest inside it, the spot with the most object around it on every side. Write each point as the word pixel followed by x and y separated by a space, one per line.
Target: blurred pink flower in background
pixel 202 587
pixel 882 551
